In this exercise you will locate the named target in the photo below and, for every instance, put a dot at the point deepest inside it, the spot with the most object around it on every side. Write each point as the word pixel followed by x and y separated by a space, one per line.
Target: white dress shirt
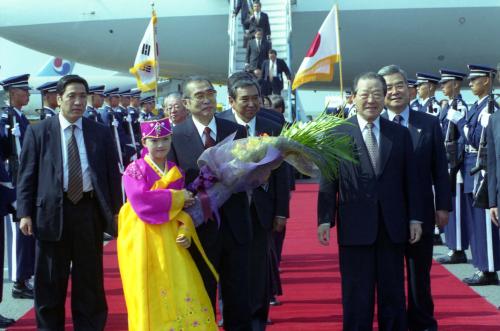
pixel 273 68
pixel 82 151
pixel 201 129
pixel 376 128
pixel 251 124
pixel 405 116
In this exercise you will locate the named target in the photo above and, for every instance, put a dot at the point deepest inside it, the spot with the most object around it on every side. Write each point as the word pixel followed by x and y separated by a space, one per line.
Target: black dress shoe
pixel 275 302
pixel 481 278
pixel 5 321
pixel 437 241
pixel 453 257
pixel 22 290
pixel 107 237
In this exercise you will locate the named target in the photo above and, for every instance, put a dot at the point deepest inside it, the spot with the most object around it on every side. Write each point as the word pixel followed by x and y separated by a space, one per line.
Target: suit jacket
pixel 431 166
pixel 257 54
pixel 40 184
pixel 367 197
pixel 281 68
pixel 262 23
pixel 493 143
pixel 274 200
pixel 243 6
pixel 7 193
pixel 187 146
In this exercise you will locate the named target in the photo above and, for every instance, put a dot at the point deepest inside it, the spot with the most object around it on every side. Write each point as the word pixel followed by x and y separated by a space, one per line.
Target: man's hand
pixel 183 241
pixel 494 215
pixel 324 234
pixel 441 218
pixel 26 226
pixel 279 224
pixel 415 232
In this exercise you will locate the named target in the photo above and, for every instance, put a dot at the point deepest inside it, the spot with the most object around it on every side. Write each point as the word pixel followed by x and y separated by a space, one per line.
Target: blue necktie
pixel 398 119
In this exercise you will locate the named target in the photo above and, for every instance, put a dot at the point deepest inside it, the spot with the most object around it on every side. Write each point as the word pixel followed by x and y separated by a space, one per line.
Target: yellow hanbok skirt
pixel 162 286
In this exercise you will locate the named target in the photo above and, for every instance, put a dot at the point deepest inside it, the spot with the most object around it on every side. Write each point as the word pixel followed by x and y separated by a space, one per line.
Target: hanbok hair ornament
pixel 156 128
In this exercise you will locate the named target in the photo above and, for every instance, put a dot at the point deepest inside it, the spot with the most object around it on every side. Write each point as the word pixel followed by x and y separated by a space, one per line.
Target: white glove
pixel 115 123
pixel 14 205
pixel 16 131
pixel 454 115
pixel 129 118
pixel 484 118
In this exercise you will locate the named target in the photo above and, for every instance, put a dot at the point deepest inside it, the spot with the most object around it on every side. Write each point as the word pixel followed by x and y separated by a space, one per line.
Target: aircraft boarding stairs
pixel 280 21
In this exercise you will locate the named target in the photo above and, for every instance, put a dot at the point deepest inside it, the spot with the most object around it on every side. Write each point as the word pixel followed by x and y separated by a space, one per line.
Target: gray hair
pixel 393 69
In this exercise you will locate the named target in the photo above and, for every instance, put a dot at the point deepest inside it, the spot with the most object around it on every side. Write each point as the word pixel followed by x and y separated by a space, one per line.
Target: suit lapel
pixel 54 137
pixel 385 145
pixel 193 138
pixel 415 130
pixel 90 144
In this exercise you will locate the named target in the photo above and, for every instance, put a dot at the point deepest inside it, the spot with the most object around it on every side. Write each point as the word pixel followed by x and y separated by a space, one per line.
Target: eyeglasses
pixel 201 96
pixel 363 95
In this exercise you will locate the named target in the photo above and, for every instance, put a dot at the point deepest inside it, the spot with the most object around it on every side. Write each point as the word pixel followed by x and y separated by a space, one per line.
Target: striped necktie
pixel 75 181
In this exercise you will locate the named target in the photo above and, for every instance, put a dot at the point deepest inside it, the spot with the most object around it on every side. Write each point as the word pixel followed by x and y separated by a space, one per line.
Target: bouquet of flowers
pixel 232 166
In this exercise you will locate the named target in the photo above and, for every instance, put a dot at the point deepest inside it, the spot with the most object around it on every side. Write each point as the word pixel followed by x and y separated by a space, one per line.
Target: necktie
pixel 258 44
pixel 248 130
pixel 371 144
pixel 75 181
pixel 398 119
pixel 209 141
pixel 271 73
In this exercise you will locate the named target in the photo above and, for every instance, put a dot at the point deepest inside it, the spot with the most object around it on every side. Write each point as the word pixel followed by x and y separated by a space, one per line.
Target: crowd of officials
pixel 448 153
pixel 424 168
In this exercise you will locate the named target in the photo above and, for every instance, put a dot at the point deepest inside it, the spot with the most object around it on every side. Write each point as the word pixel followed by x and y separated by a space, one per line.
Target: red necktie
pixel 209 141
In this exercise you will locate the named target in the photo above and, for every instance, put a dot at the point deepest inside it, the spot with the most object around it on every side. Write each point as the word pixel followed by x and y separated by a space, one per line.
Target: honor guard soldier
pixel 96 100
pixel 113 116
pixel 412 88
pixel 426 88
pixel 15 124
pixel 484 238
pixel 129 120
pixel 146 108
pixel 456 234
pixel 49 99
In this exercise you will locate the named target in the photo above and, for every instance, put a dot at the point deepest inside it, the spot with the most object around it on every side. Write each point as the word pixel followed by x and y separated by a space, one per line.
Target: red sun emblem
pixel 314 46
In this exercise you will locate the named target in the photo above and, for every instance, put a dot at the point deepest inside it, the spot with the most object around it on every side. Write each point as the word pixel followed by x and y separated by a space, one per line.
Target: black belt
pixel 86 195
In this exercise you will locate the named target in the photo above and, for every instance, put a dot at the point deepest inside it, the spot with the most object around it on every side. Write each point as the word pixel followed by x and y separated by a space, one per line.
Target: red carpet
pixel 311 284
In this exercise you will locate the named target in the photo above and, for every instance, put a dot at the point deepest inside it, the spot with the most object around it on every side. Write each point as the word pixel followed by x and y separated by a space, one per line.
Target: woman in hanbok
pixel 162 286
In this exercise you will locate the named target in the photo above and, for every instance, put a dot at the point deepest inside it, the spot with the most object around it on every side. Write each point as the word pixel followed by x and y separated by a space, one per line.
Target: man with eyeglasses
pixel 227 245
pixel 432 174
pixel 375 203
pixel 174 108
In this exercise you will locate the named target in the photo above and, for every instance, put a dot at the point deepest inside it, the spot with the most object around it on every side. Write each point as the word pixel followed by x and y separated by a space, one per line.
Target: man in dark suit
pixel 265 87
pixel 435 189
pixel 263 112
pixel 257 50
pixel 259 20
pixel 7 198
pixel 375 203
pixel 273 70
pixel 228 245
pixel 268 203
pixel 246 7
pixel 69 193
